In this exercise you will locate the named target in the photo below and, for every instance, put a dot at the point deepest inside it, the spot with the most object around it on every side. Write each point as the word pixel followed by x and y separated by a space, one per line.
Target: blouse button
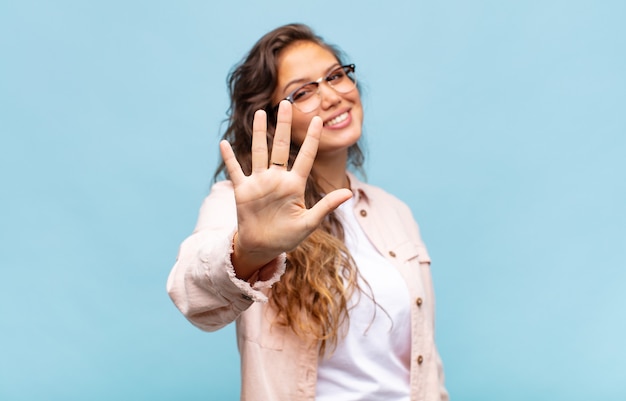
pixel 363 212
pixel 418 301
pixel 420 359
pixel 392 254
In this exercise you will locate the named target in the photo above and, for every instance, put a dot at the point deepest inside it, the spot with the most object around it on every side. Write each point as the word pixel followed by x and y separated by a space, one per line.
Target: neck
pixel 331 172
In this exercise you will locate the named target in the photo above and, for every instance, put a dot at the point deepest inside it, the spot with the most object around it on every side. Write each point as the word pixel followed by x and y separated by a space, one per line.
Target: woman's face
pixel 342 113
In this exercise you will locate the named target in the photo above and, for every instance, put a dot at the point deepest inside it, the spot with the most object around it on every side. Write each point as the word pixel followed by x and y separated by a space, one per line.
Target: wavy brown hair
pixel 312 296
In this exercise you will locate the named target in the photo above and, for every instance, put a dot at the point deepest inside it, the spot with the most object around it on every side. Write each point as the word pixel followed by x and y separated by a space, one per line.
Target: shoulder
pixel 390 217
pixel 377 197
pixel 221 191
pixel 224 186
pixel 218 208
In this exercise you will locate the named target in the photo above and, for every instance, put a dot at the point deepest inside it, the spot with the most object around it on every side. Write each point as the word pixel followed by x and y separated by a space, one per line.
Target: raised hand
pixel 271 214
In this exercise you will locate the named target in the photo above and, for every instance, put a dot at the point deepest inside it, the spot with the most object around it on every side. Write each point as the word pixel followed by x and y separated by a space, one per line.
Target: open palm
pixel 271 213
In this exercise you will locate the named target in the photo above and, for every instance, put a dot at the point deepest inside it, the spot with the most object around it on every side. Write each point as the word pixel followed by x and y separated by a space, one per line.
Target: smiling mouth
pixel 339 119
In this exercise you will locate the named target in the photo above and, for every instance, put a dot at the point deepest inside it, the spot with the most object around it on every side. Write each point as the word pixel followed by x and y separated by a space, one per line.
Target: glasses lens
pixel 343 79
pixel 306 98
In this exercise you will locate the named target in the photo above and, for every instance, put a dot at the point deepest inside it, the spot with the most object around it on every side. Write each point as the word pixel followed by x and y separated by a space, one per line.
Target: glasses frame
pixel 350 68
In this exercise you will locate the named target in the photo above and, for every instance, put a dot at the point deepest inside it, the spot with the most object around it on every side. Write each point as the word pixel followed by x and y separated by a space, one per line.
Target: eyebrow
pixel 305 81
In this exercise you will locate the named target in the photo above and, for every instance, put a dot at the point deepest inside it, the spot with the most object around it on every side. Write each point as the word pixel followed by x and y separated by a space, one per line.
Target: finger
pixel 232 165
pixel 306 156
pixel 326 205
pixel 259 141
pixel 282 136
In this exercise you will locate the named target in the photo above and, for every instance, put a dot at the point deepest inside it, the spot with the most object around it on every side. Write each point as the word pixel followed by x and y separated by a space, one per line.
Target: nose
pixel 329 96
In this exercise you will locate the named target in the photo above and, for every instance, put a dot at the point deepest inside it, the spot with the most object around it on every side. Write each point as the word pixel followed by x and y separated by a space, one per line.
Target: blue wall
pixel 502 125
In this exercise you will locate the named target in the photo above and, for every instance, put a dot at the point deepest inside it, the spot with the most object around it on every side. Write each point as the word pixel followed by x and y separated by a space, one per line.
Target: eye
pixel 336 75
pixel 304 92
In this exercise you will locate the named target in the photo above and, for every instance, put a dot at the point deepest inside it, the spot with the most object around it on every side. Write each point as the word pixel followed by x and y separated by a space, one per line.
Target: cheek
pixel 356 100
pixel 299 126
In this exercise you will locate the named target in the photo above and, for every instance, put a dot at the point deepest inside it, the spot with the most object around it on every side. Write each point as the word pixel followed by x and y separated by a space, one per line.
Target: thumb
pixel 327 204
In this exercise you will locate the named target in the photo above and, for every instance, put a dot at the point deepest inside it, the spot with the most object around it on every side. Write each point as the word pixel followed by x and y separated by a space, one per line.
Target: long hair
pixel 312 296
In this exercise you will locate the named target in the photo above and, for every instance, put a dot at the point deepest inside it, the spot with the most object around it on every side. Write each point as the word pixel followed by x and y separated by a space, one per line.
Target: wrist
pixel 246 262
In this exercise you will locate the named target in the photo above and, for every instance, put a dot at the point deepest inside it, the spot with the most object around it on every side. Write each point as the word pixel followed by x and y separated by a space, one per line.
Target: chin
pixel 338 144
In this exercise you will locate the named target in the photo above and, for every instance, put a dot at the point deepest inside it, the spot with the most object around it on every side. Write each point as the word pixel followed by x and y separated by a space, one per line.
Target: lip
pixel 342 124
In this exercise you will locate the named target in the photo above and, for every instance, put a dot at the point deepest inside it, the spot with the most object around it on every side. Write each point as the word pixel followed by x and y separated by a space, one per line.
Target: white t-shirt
pixel 372 361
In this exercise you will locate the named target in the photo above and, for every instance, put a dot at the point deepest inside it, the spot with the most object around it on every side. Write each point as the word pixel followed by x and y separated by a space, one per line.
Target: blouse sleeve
pixel 202 284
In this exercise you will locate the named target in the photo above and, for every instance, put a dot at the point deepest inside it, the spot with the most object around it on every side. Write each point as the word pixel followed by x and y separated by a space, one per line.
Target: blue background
pixel 501 123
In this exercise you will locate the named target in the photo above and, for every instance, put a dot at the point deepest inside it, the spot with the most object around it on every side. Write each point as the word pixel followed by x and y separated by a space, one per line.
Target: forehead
pixel 304 60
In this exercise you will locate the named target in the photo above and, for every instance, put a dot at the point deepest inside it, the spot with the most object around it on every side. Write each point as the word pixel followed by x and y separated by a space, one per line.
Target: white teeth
pixel 338 119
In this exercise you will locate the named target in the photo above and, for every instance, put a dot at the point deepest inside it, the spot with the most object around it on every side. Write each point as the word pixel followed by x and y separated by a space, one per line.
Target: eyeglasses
pixel 307 97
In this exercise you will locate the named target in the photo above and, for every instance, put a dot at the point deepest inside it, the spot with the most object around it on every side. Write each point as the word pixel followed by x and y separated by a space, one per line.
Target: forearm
pixel 203 284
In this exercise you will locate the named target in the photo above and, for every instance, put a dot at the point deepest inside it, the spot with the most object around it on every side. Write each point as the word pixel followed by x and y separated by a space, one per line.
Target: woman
pixel 326 277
